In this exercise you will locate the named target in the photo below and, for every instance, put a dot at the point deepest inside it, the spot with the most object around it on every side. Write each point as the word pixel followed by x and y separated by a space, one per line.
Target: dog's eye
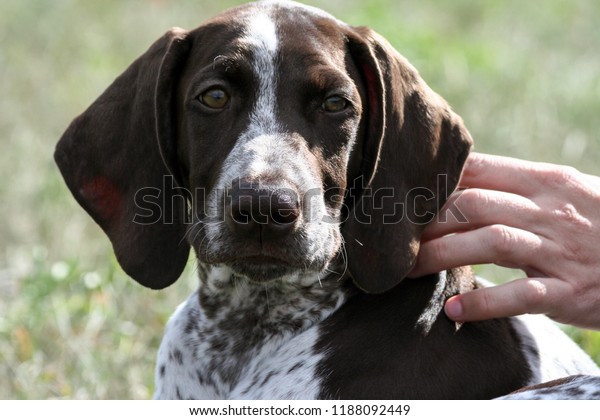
pixel 214 98
pixel 334 103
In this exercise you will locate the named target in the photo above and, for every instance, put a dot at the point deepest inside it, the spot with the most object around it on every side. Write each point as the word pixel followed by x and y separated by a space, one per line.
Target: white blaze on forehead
pixel 260 36
pixel 261 32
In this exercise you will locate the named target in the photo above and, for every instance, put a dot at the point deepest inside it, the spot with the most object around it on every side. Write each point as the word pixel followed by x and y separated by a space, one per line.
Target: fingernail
pixel 454 309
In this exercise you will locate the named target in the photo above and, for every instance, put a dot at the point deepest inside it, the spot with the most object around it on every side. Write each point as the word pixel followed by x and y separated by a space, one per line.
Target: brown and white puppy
pixel 300 158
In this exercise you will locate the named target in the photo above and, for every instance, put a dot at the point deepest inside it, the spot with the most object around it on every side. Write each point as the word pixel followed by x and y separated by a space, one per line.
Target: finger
pixel 497 244
pixel 532 295
pixel 475 208
pixel 501 173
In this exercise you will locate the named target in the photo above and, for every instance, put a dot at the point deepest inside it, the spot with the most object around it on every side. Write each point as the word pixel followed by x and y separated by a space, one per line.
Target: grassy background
pixel 524 76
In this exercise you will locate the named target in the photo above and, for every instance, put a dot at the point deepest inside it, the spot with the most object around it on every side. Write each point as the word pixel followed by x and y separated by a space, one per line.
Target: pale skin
pixel 541 218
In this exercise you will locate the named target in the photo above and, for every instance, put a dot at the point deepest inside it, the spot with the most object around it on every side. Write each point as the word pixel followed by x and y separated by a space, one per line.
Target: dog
pixel 301 158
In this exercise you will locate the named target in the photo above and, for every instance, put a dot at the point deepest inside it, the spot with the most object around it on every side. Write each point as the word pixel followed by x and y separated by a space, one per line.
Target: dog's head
pixel 270 139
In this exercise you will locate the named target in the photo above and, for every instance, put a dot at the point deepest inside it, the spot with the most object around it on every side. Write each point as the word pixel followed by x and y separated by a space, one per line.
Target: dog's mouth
pixel 262 268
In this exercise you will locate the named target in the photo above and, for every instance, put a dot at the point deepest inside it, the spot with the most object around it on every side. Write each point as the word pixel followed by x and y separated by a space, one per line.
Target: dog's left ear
pixel 412 155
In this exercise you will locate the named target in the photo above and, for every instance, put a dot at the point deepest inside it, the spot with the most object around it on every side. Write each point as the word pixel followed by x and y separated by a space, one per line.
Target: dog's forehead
pixel 275 26
pixel 282 11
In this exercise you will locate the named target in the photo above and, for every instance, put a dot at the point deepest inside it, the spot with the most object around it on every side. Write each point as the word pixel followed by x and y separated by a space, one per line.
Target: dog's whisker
pixel 344 258
pixel 198 227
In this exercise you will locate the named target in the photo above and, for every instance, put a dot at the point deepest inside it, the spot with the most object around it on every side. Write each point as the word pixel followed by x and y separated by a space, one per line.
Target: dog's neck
pixel 297 302
pixel 289 304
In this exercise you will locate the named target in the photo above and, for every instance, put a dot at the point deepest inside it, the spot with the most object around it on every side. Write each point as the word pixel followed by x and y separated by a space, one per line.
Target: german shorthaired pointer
pixel 300 158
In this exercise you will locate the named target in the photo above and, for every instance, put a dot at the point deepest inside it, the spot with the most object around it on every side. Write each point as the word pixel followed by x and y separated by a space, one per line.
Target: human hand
pixel 541 218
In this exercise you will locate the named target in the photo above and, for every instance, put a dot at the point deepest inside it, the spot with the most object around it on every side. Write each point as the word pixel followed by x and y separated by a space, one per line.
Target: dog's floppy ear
pixel 114 159
pixel 412 155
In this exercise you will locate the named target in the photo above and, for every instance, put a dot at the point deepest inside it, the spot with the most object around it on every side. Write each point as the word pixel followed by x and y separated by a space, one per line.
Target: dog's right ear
pixel 117 158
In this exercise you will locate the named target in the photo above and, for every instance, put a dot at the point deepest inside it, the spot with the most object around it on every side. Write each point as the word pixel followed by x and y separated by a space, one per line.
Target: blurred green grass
pixel 523 75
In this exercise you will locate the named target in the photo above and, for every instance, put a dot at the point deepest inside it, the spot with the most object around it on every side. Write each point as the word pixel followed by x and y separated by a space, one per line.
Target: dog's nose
pixel 262 211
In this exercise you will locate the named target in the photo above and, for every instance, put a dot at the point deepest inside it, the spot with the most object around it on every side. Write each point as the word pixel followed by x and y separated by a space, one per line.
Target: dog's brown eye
pixel 334 103
pixel 214 98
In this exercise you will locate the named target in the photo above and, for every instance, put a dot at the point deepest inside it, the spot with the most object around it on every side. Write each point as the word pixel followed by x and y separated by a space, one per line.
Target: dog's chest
pixel 234 352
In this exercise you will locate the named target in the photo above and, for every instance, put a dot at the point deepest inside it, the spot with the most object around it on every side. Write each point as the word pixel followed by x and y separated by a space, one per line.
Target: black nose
pixel 261 211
